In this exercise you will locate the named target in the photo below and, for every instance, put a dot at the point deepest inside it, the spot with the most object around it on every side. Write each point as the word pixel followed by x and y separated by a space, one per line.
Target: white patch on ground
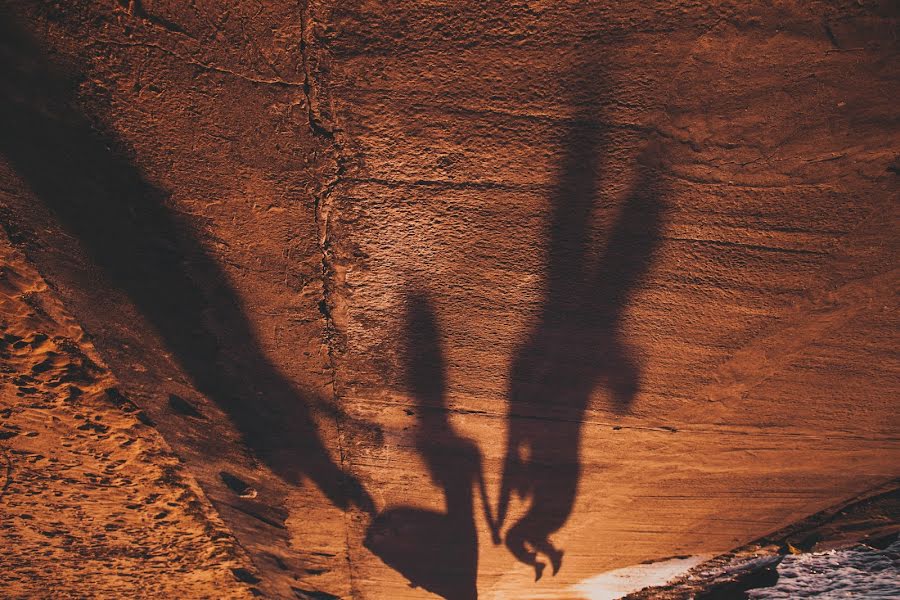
pixel 858 572
pixel 621 582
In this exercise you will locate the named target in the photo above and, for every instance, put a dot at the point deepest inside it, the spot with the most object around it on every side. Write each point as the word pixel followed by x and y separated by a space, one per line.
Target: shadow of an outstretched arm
pixel 123 223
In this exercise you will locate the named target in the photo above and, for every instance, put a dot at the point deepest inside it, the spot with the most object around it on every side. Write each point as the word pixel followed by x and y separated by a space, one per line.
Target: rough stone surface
pixel 635 262
pixel 94 503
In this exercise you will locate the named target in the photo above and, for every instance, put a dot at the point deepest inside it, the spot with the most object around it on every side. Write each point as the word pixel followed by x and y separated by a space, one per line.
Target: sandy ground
pixel 94 503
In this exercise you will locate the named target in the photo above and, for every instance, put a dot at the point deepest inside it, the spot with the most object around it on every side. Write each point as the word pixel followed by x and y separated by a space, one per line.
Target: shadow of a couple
pixel 125 225
pixel 575 346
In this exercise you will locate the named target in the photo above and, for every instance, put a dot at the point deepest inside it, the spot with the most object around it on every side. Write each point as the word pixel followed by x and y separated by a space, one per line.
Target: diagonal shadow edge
pixel 122 222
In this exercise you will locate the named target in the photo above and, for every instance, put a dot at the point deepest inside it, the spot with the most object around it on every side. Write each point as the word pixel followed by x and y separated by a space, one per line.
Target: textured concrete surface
pixel 625 272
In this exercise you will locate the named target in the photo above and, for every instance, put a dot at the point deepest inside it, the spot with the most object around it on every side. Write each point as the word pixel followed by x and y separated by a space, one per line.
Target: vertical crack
pixel 322 197
pixel 323 126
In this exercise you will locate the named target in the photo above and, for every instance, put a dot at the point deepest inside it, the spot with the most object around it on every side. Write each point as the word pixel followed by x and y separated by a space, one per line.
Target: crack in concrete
pixel 324 127
pixel 135 8
pixel 321 199
pixel 201 65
